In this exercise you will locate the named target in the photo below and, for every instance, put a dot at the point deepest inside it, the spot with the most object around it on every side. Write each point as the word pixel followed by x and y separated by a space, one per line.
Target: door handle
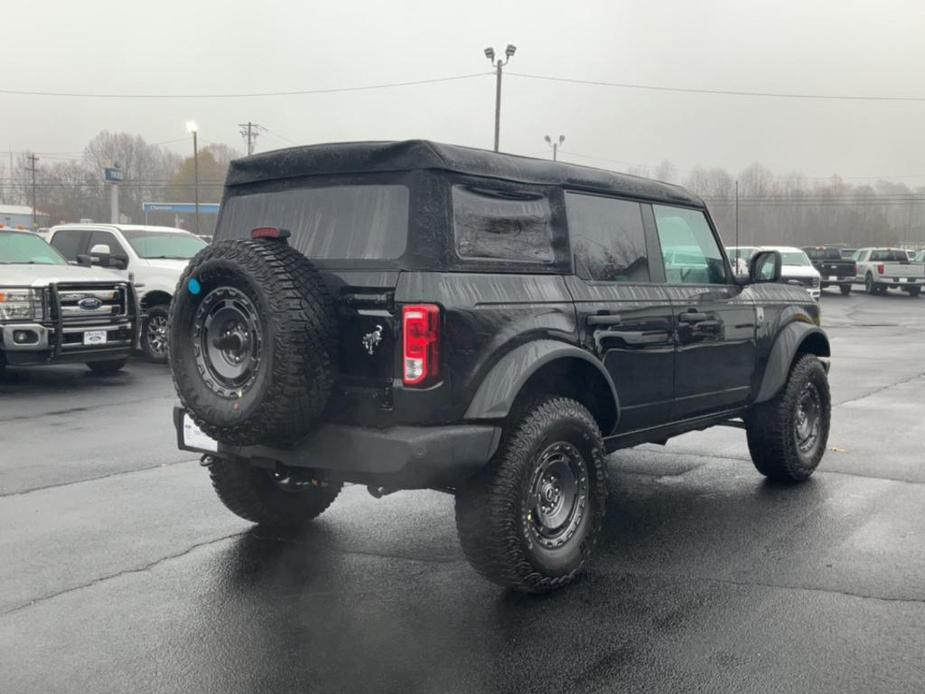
pixel 693 317
pixel 604 319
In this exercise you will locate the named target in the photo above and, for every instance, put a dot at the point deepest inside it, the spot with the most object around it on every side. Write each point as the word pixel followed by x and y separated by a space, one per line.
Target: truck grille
pixel 75 307
pixel 812 282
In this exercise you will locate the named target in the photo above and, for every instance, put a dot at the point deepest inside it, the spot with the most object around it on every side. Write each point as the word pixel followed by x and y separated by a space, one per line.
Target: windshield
pixel 791 258
pixel 347 222
pixel 164 244
pixel 27 249
pixel 740 251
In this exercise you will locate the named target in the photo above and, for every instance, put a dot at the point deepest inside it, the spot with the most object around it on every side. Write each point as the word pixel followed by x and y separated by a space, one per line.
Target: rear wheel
pixel 915 291
pixel 529 519
pixel 869 285
pixel 845 289
pixel 108 367
pixel 287 498
pixel 787 435
pixel 154 335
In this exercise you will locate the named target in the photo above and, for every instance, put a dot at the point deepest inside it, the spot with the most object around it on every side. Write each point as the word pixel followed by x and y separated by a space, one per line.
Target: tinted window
pixel 689 249
pixel 823 253
pixel 69 242
pixel 889 256
pixel 348 222
pixel 607 238
pixel 104 237
pixel 494 225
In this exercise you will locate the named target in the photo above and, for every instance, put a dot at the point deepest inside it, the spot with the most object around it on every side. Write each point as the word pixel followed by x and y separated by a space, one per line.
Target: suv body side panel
pixel 484 317
pixel 499 389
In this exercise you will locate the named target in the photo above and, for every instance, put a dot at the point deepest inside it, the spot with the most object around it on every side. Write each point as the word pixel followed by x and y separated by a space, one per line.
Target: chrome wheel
pixel 808 418
pixel 227 342
pixel 156 335
pixel 558 495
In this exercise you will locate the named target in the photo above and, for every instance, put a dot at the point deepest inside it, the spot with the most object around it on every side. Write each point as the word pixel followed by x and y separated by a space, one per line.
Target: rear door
pixel 715 323
pixel 624 315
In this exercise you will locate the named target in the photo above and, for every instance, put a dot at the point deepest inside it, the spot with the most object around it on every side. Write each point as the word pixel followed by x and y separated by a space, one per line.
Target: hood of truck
pixel 806 271
pixel 43 275
pixel 167 265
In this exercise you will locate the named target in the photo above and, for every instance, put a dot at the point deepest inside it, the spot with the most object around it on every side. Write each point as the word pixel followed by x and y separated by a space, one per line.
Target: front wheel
pixel 787 435
pixel 845 289
pixel 529 519
pixel 275 498
pixel 154 335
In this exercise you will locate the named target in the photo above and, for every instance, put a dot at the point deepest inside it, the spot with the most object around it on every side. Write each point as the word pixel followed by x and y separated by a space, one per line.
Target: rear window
pixel 496 225
pixel 889 256
pixel 349 222
pixel 824 253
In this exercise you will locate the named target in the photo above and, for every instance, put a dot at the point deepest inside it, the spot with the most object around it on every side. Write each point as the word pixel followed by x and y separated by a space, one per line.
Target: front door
pixel 715 322
pixel 625 318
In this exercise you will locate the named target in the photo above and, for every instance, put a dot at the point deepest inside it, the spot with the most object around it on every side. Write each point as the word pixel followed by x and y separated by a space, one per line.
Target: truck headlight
pixel 19 304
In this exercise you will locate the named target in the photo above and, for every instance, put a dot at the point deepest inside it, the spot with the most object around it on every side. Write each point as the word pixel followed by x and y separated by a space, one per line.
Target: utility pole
pixel 499 65
pixel 32 159
pixel 192 128
pixel 249 132
pixel 555 145
pixel 737 225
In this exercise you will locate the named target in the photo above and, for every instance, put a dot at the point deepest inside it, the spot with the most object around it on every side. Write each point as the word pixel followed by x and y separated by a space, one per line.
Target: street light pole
pixel 499 66
pixel 191 127
pixel 555 144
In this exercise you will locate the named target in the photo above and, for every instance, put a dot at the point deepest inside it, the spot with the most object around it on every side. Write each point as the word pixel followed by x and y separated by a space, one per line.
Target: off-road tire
pixel 845 289
pixel 252 494
pixel 771 426
pixel 494 518
pixel 152 354
pixel 107 367
pixel 297 321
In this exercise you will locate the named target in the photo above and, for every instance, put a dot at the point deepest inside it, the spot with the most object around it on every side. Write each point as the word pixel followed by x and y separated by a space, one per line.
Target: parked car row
pixel 91 293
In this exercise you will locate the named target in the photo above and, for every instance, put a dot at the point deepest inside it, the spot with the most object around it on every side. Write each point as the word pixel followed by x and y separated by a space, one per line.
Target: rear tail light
pixel 269 233
pixel 880 268
pixel 420 344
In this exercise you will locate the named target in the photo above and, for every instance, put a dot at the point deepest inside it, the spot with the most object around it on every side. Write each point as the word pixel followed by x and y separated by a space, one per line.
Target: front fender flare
pixel 784 350
pixel 502 384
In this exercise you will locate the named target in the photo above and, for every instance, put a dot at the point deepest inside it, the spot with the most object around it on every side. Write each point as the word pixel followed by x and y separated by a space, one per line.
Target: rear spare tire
pixel 252 341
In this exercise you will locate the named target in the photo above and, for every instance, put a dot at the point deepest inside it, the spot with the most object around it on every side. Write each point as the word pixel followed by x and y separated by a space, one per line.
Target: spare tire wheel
pixel 253 342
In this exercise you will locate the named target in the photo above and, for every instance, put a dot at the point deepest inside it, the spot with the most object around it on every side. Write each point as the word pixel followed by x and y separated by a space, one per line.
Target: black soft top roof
pixel 411 155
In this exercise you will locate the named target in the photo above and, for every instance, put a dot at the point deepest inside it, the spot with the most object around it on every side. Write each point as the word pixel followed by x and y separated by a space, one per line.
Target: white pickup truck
pixel 882 268
pixel 151 257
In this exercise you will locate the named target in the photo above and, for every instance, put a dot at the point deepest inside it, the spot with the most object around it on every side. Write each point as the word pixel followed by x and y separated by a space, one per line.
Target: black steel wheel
pixel 530 518
pixel 787 435
pixel 845 289
pixel 253 342
pixel 154 334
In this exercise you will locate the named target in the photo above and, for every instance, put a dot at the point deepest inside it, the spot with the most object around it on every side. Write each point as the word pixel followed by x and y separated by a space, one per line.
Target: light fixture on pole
pixel 191 128
pixel 555 145
pixel 499 65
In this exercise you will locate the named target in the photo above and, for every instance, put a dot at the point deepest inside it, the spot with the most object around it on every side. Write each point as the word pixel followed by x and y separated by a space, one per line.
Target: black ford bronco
pixel 417 315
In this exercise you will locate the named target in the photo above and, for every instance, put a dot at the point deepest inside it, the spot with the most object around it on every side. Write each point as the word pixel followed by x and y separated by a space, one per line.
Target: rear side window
pixel 889 256
pixel 496 225
pixel 344 222
pixel 607 238
pixel 69 243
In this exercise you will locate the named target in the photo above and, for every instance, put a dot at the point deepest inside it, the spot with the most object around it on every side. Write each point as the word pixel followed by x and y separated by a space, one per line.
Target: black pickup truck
pixel 416 315
pixel 836 271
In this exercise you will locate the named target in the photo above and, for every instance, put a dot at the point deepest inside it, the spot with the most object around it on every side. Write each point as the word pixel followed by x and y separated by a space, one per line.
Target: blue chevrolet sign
pixel 112 175
pixel 180 207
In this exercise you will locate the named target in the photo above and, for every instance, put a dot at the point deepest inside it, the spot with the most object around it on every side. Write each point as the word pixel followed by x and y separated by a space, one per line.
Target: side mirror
pixel 84 260
pixel 764 266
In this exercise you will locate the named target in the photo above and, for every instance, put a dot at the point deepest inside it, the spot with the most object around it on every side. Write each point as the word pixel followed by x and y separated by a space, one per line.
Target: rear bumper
pixel 890 282
pixel 840 282
pixel 400 456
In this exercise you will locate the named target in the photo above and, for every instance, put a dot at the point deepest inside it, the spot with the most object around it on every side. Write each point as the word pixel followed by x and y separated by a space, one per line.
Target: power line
pixel 244 95
pixel 720 92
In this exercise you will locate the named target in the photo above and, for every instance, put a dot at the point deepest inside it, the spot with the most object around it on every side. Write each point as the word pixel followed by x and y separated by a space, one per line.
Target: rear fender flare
pixel 792 339
pixel 505 380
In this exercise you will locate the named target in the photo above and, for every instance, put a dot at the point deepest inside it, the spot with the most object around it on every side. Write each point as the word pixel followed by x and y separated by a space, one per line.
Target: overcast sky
pixel 196 46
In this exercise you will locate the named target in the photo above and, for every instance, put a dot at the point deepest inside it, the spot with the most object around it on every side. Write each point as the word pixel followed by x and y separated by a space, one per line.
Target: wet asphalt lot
pixel 121 572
